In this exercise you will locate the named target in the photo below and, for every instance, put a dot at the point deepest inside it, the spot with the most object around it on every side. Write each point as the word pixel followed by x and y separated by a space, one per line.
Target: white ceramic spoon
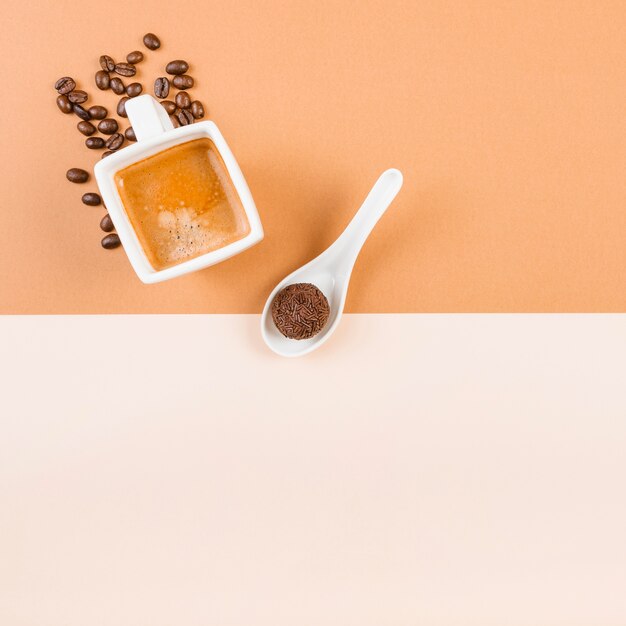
pixel 331 270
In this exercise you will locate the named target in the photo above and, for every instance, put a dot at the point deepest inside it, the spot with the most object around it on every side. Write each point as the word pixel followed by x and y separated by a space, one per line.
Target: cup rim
pixel 106 169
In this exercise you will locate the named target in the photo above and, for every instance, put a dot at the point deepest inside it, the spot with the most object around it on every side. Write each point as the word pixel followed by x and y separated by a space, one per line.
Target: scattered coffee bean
pixel 129 133
pixel 108 126
pixel 103 80
pixel 91 199
pixel 134 89
pixel 114 142
pixel 76 175
pixel 65 85
pixel 107 153
pixel 97 112
pixel 110 241
pixel 161 87
pixel 125 69
pixel 169 106
pixel 134 57
pixel 175 122
pixel 117 86
pixel 121 106
pixel 64 104
pixel 106 224
pixel 81 112
pixel 183 100
pixel 86 128
pixel 184 117
pixel 94 143
pixel 197 109
pixel 177 67
pixel 77 96
pixel 107 63
pixel 151 41
pixel 182 82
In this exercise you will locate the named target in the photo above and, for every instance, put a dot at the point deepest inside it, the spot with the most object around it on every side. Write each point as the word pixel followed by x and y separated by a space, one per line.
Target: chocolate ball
pixel 300 311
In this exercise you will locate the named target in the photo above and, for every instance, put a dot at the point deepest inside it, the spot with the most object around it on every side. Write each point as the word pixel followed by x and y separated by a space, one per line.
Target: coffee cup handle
pixel 147 117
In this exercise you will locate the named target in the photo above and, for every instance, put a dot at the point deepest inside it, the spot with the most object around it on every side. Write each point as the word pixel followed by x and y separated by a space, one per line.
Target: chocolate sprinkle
pixel 300 311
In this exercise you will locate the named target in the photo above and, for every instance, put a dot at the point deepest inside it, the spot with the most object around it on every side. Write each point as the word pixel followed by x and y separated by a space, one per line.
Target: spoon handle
pixel 350 242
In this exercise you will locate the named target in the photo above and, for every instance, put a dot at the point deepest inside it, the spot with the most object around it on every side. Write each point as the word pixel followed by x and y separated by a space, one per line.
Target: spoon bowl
pixel 330 271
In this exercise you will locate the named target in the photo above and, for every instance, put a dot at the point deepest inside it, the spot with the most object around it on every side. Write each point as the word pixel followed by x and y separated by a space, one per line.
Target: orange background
pixel 506 118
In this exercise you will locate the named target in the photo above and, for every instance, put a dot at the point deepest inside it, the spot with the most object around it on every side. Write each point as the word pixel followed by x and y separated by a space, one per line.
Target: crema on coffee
pixel 182 203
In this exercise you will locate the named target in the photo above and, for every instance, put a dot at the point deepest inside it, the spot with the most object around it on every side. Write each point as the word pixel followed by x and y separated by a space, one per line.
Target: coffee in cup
pixel 182 203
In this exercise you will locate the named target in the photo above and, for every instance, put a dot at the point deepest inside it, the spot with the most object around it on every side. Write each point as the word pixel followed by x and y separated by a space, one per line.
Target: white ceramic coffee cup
pixel 155 133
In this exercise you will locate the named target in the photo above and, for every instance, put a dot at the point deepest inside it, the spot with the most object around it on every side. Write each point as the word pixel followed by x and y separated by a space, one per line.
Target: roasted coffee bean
pixel 197 109
pixel 183 100
pixel 106 224
pixel 107 153
pixel 182 82
pixel 97 112
pixel 103 80
pixel 94 143
pixel 151 41
pixel 108 126
pixel 114 142
pixel 77 96
pixel 129 133
pixel 117 86
pixel 125 69
pixel 169 106
pixel 76 175
pixel 177 67
pixel 134 89
pixel 121 106
pixel 175 122
pixel 184 117
pixel 86 128
pixel 161 87
pixel 110 241
pixel 134 57
pixel 81 112
pixel 107 63
pixel 91 199
pixel 64 104
pixel 65 85
pixel 188 116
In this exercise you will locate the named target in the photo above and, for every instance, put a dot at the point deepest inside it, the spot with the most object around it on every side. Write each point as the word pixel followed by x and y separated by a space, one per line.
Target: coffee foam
pixel 184 234
pixel 182 203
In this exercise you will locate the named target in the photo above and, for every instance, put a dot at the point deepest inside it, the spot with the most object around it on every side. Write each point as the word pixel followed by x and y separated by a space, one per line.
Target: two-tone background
pixel 426 465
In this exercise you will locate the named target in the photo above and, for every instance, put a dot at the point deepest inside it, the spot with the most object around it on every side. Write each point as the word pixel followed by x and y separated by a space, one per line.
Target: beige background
pixel 507 119
pixel 441 470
